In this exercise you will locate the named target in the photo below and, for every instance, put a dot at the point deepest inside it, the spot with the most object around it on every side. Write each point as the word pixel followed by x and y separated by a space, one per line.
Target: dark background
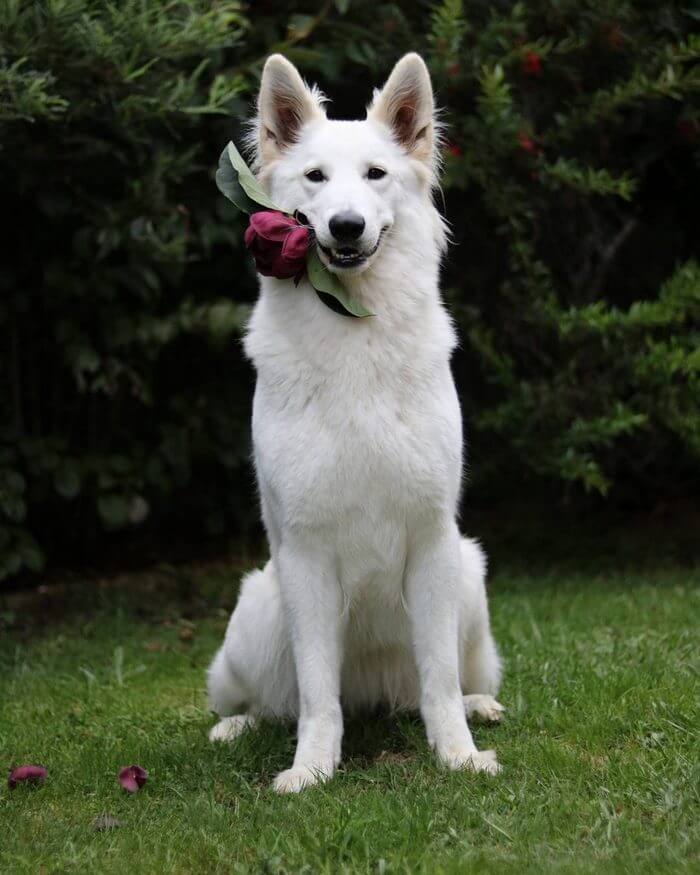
pixel 571 184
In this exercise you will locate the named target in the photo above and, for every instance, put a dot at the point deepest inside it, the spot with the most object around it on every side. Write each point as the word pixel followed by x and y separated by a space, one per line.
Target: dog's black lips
pixel 349 257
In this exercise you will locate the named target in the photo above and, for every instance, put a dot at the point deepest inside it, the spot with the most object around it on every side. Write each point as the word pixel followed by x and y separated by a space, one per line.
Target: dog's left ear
pixel 406 106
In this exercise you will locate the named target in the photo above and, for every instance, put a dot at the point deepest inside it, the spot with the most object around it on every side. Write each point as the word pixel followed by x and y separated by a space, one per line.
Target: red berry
pixel 453 150
pixel 527 144
pixel 531 64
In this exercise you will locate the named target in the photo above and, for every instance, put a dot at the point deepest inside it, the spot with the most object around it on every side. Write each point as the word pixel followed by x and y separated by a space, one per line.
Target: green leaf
pixel 342 6
pixel 228 184
pixel 233 175
pixel 32 555
pixel 300 26
pixel 66 480
pixel 328 283
pixel 114 510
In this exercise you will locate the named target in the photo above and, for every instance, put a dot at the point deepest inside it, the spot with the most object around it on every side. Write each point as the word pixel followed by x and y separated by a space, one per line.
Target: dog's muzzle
pixel 346 256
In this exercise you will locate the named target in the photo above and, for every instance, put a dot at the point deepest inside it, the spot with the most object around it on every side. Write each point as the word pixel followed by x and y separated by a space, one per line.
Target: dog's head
pixel 348 180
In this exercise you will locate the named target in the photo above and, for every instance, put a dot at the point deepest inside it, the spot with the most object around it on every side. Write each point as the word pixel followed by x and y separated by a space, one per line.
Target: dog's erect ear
pixel 406 105
pixel 285 104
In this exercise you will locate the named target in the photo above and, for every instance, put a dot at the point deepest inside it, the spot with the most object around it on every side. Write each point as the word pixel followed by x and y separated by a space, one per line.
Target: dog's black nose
pixel 346 226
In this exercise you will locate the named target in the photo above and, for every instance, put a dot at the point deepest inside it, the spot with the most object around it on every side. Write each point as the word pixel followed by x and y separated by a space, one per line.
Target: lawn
pixel 599 748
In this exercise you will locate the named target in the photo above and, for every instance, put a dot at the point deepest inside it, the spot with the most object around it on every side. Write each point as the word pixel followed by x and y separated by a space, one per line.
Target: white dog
pixel 371 595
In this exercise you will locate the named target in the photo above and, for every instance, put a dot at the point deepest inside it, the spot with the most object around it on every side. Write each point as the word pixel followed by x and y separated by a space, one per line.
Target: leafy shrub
pixel 118 331
pixel 571 179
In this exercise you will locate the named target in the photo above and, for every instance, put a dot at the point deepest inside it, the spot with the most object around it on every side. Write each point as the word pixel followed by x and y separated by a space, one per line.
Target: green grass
pixel 599 748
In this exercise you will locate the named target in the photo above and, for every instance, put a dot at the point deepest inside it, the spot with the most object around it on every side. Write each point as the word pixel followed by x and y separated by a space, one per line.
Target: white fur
pixel 371 595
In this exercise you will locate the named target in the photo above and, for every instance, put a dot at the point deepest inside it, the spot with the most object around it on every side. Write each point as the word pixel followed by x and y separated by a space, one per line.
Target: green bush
pixel 571 179
pixel 124 385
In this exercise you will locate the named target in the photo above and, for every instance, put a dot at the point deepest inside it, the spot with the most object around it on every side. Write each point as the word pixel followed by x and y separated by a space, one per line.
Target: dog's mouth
pixel 346 257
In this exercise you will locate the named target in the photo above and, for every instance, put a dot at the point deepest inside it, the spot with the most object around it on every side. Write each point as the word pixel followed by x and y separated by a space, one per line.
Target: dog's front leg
pixel 313 603
pixel 432 587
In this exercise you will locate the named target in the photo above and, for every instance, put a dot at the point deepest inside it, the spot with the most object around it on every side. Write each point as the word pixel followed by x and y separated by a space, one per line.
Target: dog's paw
pixel 484 761
pixel 229 728
pixel 484 708
pixel 298 778
pixel 461 758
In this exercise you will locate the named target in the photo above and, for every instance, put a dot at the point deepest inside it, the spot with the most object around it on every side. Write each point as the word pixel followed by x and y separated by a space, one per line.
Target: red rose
pixel 278 243
pixel 532 64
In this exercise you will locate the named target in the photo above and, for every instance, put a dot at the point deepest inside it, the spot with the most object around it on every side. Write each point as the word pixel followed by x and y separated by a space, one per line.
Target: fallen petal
pixel 27 775
pixel 132 778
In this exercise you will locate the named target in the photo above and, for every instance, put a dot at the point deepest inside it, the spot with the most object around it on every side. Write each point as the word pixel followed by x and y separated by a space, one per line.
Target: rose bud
pixel 26 775
pixel 132 778
pixel 278 243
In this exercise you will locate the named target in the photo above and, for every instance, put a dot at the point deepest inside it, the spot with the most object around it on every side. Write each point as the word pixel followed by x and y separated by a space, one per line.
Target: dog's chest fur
pixel 356 426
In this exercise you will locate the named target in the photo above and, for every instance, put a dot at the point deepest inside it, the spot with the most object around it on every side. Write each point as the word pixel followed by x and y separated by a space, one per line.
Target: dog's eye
pixel 375 173
pixel 315 175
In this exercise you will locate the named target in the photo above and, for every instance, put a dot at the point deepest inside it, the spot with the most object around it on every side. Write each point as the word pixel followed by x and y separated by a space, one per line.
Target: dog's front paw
pixel 485 708
pixel 472 760
pixel 298 778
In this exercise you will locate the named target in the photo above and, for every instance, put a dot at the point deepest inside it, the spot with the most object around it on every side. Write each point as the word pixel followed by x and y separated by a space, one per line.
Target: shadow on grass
pixel 258 754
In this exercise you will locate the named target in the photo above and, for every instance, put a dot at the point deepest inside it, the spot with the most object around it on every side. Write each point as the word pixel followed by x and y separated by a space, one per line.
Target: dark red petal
pixel 250 236
pixel 296 244
pixel 26 774
pixel 272 225
pixel 283 268
pixel 132 778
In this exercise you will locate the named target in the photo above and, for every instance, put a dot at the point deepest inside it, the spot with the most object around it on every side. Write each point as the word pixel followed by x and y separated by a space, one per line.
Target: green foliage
pixel 571 158
pixel 117 334
pixel 571 183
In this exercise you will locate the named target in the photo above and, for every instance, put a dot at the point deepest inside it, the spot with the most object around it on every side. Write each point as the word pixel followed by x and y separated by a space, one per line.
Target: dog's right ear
pixel 285 105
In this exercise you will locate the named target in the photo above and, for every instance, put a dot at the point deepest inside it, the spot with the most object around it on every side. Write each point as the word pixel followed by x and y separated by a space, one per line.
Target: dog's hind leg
pixel 229 728
pixel 226 697
pixel 252 675
pixel 481 665
pixel 225 692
